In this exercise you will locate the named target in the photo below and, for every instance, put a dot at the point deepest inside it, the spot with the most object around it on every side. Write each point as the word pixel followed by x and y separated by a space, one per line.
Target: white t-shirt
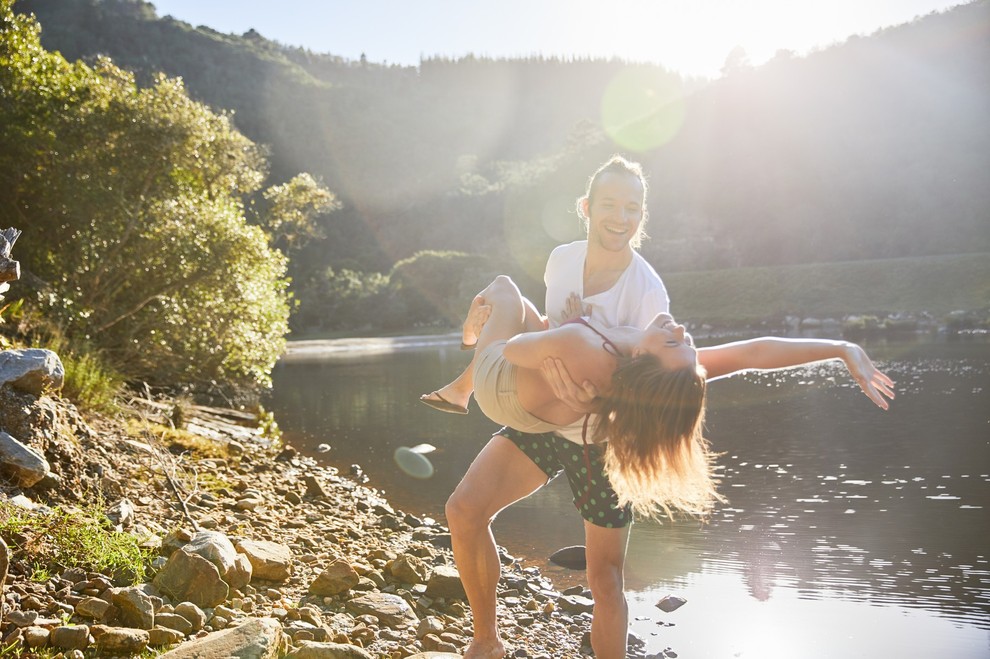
pixel 635 299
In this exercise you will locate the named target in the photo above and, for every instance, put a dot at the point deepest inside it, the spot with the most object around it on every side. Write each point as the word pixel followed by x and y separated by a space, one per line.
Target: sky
pixel 692 37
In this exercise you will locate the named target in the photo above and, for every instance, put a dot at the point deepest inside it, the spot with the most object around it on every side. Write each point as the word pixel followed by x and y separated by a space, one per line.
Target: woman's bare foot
pixel 477 316
pixel 448 399
pixel 485 650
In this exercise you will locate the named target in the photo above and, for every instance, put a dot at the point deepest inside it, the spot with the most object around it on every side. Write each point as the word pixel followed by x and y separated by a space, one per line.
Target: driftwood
pixel 215 423
pixel 9 269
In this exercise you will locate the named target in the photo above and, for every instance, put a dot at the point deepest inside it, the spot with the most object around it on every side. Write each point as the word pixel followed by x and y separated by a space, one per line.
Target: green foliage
pixel 937 285
pixel 435 288
pixel 343 299
pixel 89 382
pixel 61 539
pixel 132 205
pixel 292 209
pixel 871 149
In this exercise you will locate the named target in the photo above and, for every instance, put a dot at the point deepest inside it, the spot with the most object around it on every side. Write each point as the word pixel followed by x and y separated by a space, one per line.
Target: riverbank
pixel 333 561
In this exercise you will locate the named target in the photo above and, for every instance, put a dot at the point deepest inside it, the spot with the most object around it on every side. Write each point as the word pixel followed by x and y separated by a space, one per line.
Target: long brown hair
pixel 652 419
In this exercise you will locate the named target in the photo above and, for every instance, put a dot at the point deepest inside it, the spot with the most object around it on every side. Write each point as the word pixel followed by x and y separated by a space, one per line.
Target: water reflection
pixel 837 511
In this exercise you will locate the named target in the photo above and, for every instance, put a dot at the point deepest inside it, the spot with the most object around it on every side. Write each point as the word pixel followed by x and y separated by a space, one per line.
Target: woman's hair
pixel 655 456
pixel 617 165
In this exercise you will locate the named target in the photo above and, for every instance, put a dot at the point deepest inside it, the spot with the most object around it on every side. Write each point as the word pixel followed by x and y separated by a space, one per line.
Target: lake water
pixel 849 531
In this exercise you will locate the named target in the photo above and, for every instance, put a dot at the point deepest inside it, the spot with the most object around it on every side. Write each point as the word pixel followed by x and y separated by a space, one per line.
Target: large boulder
pixel 31 370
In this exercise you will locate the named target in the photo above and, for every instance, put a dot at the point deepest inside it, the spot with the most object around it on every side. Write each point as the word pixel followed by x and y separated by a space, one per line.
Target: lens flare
pixel 642 108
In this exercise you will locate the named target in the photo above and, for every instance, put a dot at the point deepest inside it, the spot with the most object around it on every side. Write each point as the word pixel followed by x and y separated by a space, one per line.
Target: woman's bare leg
pixel 506 295
pixel 500 475
pixel 606 555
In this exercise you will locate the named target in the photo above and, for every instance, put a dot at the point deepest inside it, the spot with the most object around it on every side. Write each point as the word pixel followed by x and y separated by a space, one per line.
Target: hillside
pixel 873 148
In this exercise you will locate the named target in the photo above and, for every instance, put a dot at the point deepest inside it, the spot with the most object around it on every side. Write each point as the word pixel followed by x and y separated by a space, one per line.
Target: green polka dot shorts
pixel 554 454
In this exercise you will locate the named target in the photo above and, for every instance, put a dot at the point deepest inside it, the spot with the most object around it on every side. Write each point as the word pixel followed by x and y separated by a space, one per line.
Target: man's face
pixel 615 210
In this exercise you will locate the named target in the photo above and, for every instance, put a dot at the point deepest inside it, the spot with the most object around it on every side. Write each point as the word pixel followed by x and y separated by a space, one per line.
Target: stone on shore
pixel 392 610
pixel 269 560
pixel 338 577
pixel 21 463
pixel 256 638
pixel 192 578
pixel 314 650
pixel 120 640
pixel 136 608
pixel 31 370
pixel 445 582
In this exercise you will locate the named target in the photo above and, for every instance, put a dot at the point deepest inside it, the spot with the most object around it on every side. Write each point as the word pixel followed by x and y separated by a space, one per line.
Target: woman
pixel 652 385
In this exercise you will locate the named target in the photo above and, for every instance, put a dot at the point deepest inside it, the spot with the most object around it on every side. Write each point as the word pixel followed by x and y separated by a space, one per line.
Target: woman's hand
pixel 573 308
pixel 874 383
pixel 577 397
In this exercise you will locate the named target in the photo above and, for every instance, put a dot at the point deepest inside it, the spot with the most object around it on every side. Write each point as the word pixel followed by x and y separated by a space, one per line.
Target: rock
pixel 409 569
pixel 195 615
pixel 445 582
pixel 390 609
pixel 314 650
pixel 22 618
pixel 70 637
pixel 240 575
pixel 121 640
pixel 270 560
pixel 338 577
pixel 576 604
pixel 214 547
pixel 160 636
pixel 429 625
pixel 314 488
pixel 192 578
pixel 174 621
pixel 32 370
pixel 21 463
pixel 121 514
pixel 136 608
pixel 93 608
pixel 35 637
pixel 572 557
pixel 257 638
pixel 671 603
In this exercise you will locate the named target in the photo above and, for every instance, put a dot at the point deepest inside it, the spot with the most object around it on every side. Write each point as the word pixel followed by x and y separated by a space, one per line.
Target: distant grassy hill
pixel 934 284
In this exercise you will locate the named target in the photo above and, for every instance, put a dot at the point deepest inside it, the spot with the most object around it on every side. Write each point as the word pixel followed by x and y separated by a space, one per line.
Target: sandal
pixel 443 404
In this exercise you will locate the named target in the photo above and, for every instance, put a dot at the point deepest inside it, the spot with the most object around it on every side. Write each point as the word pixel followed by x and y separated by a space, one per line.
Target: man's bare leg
pixel 606 555
pixel 500 475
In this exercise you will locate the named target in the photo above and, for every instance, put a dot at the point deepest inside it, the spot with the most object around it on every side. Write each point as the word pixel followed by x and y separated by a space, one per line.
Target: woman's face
pixel 669 342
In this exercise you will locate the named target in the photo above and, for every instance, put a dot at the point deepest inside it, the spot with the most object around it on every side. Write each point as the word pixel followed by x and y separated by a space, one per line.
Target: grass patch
pixel 60 539
pixel 177 440
pixel 938 285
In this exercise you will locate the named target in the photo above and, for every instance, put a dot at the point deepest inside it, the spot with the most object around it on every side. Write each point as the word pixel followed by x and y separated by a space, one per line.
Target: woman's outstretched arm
pixel 770 353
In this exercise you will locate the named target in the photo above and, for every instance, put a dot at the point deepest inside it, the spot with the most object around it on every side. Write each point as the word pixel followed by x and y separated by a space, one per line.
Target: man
pixel 605 278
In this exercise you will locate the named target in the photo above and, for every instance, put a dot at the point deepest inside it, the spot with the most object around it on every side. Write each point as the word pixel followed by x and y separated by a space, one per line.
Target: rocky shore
pixel 257 551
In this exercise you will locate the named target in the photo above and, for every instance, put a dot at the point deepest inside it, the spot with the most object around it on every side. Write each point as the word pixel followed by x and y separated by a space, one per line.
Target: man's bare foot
pixel 477 316
pixel 485 650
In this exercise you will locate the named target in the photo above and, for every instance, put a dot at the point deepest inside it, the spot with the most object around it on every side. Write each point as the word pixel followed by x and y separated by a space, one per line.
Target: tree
pixel 132 203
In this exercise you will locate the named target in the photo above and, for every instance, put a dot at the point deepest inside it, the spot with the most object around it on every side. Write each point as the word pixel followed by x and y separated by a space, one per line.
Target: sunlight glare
pixel 642 109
